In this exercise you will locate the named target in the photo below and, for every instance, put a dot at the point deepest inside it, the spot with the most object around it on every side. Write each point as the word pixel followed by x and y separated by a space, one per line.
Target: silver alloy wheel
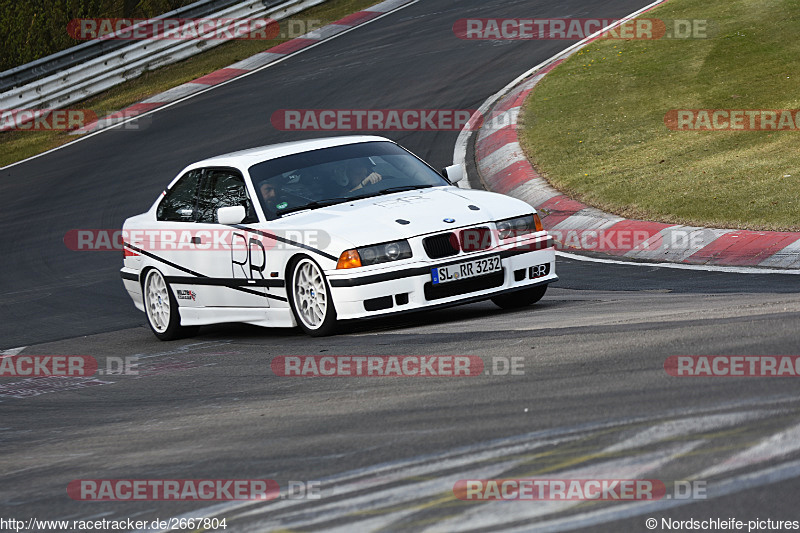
pixel 310 294
pixel 156 301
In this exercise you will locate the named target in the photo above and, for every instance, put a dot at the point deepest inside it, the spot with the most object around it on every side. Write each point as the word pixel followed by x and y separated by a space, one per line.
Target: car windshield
pixel 328 176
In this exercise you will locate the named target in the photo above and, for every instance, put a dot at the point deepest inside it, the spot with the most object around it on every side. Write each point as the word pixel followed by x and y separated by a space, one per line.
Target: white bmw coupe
pixel 315 232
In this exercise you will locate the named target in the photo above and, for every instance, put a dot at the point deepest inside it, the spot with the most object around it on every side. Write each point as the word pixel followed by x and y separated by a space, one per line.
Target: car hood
pixel 403 215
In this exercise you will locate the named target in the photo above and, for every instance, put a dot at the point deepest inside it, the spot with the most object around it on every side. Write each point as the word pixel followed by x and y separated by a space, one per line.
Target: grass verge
pixel 18 145
pixel 595 127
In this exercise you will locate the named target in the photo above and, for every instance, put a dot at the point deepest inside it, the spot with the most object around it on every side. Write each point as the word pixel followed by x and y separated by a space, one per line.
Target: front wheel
pixel 310 298
pixel 161 308
pixel 523 298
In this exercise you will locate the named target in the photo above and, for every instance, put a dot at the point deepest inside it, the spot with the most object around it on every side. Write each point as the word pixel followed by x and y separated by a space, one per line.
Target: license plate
pixel 467 269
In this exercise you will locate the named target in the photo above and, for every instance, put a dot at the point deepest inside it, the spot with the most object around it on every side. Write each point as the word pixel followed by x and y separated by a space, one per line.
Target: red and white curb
pixel 245 66
pixel 504 168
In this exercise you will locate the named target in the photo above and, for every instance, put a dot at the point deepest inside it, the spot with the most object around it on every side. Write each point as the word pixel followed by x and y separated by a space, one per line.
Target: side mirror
pixel 231 215
pixel 454 173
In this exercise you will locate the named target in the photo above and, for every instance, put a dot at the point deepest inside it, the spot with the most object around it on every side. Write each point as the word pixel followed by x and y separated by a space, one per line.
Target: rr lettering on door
pixel 248 257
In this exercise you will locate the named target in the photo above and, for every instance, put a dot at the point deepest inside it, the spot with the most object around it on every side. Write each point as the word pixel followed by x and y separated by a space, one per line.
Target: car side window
pixel 223 188
pixel 178 205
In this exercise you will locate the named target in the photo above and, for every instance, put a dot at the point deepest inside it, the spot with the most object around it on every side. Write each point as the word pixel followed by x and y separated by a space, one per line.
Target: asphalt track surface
pixel 594 400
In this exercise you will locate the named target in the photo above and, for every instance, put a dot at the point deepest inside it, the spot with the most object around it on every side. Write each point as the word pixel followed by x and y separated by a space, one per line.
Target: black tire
pixel 161 308
pixel 523 298
pixel 310 298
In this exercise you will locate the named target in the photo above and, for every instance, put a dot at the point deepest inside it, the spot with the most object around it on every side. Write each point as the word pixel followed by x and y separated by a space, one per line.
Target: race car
pixel 316 232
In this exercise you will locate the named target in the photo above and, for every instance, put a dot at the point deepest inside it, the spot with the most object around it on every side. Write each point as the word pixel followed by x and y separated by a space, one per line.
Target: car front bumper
pixel 409 287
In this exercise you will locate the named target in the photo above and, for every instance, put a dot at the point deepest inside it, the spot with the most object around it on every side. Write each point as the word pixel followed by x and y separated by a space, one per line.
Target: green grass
pixel 595 128
pixel 31 29
pixel 18 145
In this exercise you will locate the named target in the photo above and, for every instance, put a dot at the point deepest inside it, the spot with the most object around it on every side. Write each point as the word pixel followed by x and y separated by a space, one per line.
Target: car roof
pixel 244 159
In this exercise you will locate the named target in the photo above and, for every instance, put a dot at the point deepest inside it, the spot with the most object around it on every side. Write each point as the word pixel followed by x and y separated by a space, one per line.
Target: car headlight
pixel 514 227
pixel 373 255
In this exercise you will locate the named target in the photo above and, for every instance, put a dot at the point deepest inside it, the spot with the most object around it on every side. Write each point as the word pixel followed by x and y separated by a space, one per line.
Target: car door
pixel 232 257
pixel 170 244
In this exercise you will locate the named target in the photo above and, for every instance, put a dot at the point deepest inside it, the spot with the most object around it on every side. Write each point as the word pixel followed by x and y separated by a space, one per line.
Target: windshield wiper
pixel 318 204
pixel 403 188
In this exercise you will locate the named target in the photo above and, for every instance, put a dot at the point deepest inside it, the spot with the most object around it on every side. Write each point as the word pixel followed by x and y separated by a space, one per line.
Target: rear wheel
pixel 310 298
pixel 523 298
pixel 161 308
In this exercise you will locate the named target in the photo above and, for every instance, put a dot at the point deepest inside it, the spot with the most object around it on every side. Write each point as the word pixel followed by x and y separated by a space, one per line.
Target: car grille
pixel 476 239
pixel 443 245
pixel 454 288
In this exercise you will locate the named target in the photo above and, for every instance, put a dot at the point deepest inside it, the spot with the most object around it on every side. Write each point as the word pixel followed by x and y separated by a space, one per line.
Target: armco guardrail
pixel 79 54
pixel 96 75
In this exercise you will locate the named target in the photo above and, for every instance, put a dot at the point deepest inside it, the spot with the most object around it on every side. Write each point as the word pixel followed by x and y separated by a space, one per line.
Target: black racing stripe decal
pixel 256 293
pixel 230 282
pixel 235 284
pixel 129 276
pixel 199 278
pixel 166 262
pixel 286 241
pixel 421 271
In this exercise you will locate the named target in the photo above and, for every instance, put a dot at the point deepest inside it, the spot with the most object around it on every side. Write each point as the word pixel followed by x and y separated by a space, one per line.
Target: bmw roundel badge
pixel 449 220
